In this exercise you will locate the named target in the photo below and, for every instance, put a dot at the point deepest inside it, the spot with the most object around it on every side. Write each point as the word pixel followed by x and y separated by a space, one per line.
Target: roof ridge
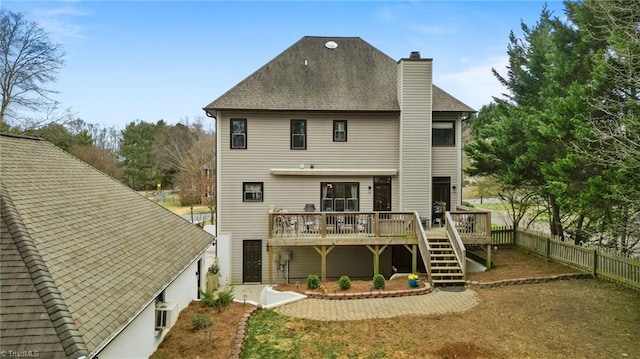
pixel 25 137
pixel 59 314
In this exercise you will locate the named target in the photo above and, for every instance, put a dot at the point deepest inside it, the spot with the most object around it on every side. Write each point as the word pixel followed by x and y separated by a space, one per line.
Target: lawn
pixel 584 318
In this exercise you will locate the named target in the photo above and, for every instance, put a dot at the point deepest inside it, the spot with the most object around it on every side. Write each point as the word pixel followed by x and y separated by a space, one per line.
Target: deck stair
pixel 445 270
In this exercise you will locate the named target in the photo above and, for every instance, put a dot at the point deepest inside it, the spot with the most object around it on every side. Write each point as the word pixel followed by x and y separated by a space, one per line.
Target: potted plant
pixel 413 280
pixel 212 276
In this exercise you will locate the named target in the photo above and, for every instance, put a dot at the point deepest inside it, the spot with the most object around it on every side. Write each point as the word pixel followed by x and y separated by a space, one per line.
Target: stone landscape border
pixel 505 282
pixel 372 294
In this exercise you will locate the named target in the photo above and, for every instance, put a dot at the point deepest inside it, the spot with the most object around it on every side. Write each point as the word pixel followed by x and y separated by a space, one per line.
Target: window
pixel 443 134
pixel 238 133
pixel 339 131
pixel 340 196
pixel 252 191
pixel 298 134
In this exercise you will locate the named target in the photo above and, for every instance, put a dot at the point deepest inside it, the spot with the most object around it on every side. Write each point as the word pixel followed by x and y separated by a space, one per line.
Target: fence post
pixel 595 263
pixel 548 249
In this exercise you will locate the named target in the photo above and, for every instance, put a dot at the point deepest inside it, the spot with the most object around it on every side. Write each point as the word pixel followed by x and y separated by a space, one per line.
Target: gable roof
pixel 354 76
pixel 82 254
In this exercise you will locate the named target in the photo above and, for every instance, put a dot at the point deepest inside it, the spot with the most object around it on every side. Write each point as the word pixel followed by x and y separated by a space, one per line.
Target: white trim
pixel 333 172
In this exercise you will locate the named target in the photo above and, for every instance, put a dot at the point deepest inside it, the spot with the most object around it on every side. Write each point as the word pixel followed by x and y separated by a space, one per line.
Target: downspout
pixel 215 118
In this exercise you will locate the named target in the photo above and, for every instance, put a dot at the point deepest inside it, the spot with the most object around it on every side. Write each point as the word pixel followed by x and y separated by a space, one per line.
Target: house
pixel 329 158
pixel 88 267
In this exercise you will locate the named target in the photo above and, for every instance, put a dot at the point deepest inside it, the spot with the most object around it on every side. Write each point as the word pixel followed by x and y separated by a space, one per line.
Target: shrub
pixel 207 297
pixel 224 298
pixel 344 282
pixel 378 281
pixel 313 282
pixel 219 300
pixel 199 322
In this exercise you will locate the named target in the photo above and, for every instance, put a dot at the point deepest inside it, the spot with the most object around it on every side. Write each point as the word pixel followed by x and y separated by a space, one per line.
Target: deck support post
pixel 489 256
pixel 376 257
pixel 323 251
pixel 272 252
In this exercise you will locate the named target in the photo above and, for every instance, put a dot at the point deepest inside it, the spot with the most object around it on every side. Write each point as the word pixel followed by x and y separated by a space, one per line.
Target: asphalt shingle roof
pixel 354 76
pixel 94 250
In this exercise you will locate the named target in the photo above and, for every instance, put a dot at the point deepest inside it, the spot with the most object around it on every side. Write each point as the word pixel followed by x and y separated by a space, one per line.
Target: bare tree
pixel 30 60
pixel 196 175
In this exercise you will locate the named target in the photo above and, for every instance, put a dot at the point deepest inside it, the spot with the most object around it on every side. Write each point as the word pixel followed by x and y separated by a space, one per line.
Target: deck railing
pixel 425 250
pixel 472 225
pixel 456 242
pixel 342 224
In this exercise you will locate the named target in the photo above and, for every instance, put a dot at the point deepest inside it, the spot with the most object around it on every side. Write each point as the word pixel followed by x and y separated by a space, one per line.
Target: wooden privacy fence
pixel 600 264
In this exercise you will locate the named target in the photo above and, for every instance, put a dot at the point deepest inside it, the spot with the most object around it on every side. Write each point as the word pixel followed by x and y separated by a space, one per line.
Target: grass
pixel 574 318
pixel 584 318
pixel 172 202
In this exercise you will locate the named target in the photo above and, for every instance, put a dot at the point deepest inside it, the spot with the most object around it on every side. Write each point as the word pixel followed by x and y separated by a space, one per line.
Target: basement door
pixel 252 261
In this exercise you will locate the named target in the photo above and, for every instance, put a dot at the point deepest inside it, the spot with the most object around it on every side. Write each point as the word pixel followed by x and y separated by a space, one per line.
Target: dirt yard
pixel 563 319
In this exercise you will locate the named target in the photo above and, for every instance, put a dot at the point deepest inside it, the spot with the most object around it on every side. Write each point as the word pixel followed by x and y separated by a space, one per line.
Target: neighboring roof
pixel 354 76
pixel 82 254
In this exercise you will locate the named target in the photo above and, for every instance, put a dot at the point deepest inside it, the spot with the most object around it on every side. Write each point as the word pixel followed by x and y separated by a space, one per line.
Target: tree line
pixel 563 142
pixel 145 156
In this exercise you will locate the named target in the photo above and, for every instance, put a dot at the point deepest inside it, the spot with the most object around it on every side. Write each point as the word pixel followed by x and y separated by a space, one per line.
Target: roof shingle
pixel 309 76
pixel 98 247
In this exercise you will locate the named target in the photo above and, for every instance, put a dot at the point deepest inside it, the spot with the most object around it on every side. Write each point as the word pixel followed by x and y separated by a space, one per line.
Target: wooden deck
pixel 369 228
pixel 377 231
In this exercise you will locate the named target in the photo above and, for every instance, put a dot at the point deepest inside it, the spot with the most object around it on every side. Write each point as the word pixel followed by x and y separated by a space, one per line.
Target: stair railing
pixel 456 242
pixel 423 245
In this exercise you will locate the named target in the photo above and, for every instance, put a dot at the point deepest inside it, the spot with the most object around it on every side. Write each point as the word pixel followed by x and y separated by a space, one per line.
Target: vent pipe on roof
pixel 414 55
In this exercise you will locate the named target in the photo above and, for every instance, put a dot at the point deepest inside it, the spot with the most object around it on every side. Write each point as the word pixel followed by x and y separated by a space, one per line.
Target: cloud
pixel 61 21
pixel 475 85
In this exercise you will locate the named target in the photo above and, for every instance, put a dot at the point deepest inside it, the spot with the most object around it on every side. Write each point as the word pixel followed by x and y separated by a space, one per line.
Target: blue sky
pixel 152 60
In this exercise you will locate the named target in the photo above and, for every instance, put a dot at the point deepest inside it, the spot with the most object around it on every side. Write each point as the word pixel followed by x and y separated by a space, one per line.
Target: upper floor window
pixel 298 134
pixel 252 191
pixel 238 133
pixel 339 131
pixel 443 134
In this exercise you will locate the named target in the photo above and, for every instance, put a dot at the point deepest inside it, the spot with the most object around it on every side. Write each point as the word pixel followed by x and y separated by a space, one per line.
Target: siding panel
pixel 415 79
pixel 372 143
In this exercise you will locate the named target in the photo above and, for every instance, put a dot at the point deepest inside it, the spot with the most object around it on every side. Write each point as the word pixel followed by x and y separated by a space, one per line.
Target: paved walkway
pixel 436 302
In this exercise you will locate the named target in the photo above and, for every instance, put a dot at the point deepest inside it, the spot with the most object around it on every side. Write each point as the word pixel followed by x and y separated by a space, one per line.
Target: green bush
pixel 224 298
pixel 207 297
pixel 378 281
pixel 220 299
pixel 199 322
pixel 313 282
pixel 344 282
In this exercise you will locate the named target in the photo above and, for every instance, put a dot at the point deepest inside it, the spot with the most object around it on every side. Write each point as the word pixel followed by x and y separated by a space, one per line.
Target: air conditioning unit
pixel 166 315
